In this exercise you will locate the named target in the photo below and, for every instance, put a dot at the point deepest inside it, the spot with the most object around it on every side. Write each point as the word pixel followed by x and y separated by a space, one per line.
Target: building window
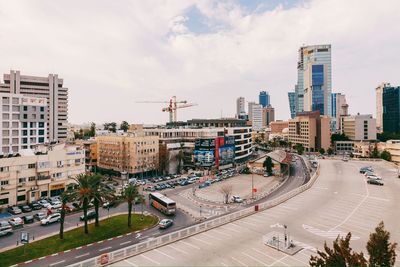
pixel 42 116
pixel 41 109
pixel 32 178
pixel 21 198
pixel 21 180
pixel 33 124
pixel 4 182
pixel 41 132
pixel 32 166
pixel 41 124
pixel 3 201
pixel 25 108
pixel 4 169
pixel 43 194
pixel 41 139
pixel 24 125
pixel 25 116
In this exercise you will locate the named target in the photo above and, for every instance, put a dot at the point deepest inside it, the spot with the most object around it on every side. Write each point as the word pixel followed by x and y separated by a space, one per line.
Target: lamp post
pixel 285 227
pixel 200 211
pixel 252 185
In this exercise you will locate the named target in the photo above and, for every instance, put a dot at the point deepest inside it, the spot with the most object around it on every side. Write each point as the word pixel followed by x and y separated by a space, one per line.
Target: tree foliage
pixel 383 137
pixel 338 137
pixel 386 155
pixel 321 151
pixel 300 149
pixel 381 251
pixel 375 152
pixel 268 165
pixel 330 151
pixel 110 126
pixel 130 193
pixel 226 191
pixel 124 126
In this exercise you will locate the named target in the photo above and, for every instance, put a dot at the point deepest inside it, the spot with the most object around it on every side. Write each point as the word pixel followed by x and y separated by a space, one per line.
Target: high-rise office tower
pixel 314 82
pixel 51 88
pixel 268 116
pixel 391 109
pixel 379 106
pixel 339 109
pixel 256 117
pixel 250 109
pixel 240 107
pixel 292 104
pixel 263 99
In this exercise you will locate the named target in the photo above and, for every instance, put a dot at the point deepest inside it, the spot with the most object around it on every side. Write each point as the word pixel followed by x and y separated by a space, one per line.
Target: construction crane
pixel 172 107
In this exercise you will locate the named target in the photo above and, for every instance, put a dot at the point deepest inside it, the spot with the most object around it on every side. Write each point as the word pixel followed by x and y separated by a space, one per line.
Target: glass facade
pixel 264 99
pixel 317 91
pixel 292 104
pixel 391 109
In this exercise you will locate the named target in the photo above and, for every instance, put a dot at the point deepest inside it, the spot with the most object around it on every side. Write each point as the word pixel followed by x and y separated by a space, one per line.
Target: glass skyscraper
pixel 292 104
pixel 314 83
pixel 264 99
pixel 391 109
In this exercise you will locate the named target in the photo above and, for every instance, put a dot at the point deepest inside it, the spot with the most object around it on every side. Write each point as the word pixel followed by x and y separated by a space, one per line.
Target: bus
pixel 162 203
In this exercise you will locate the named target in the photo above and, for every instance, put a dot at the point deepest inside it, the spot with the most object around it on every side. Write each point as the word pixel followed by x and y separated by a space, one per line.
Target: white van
pixel 5 228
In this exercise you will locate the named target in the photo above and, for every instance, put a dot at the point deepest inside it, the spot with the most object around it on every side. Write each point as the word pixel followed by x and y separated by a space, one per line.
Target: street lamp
pixel 252 185
pixel 200 211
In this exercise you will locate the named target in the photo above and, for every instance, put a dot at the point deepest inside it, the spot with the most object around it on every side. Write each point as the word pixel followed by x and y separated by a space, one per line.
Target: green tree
pixel 66 196
pixel 124 126
pixel 300 149
pixel 130 194
pixel 321 151
pixel 110 126
pixel 92 130
pixel 340 255
pixel 386 155
pixel 84 193
pixel 180 157
pixel 330 151
pixel 383 137
pixel 268 164
pixel 338 137
pixel 99 194
pixel 381 251
pixel 375 152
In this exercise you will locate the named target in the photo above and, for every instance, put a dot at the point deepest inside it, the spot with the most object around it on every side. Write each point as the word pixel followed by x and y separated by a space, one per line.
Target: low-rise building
pixel 43 172
pixel 310 130
pixel 278 126
pixel 393 147
pixel 359 127
pixel 344 147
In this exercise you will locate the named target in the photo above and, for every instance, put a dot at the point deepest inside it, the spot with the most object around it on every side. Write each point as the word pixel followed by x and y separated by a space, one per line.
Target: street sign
pixel 254 190
pixel 24 237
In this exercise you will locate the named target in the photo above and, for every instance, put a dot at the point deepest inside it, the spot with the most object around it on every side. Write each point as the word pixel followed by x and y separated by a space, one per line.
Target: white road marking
pixel 255 259
pixel 177 249
pixel 149 259
pixel 190 245
pixel 239 261
pixel 83 255
pixel 55 263
pixel 222 233
pixel 104 248
pixel 331 234
pixel 280 261
pixel 224 264
pixel 165 254
pixel 205 242
pixel 212 237
pixel 124 243
pixel 262 253
pixel 130 263
pixel 232 229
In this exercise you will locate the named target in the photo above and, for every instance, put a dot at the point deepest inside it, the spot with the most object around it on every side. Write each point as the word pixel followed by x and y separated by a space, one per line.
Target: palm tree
pixel 100 193
pixel 180 157
pixel 84 194
pixel 66 197
pixel 130 194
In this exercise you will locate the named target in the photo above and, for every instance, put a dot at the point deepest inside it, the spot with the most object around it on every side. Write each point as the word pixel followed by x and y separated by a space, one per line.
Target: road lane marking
pixel 130 263
pixel 165 254
pixel 55 263
pixel 149 259
pixel 190 245
pixel 83 255
pixel 177 249
pixel 205 242
pixel 104 248
pixel 241 263
pixel 255 259
pixel 124 243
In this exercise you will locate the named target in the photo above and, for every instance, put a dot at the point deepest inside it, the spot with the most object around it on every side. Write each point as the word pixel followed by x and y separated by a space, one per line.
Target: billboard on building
pixel 214 151
pixel 204 152
pixel 226 150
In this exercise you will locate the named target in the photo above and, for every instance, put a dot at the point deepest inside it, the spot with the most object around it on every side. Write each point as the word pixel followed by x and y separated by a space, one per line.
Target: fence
pixel 141 247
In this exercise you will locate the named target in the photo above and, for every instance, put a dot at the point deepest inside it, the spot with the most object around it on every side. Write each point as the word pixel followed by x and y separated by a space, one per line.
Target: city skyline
pixel 222 49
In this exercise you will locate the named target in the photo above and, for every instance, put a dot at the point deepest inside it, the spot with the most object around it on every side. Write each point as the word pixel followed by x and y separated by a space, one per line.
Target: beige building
pixel 393 147
pixel 311 130
pixel 268 116
pixel 51 88
pixel 43 172
pixel 134 152
pixel 359 127
pixel 278 126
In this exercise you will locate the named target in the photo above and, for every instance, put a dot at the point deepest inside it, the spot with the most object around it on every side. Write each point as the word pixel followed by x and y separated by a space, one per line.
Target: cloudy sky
pixel 114 53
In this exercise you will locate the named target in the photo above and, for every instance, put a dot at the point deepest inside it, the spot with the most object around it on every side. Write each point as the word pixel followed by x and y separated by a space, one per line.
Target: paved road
pixel 340 201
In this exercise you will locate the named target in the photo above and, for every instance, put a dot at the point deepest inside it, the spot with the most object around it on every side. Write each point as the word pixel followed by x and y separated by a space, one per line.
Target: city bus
pixel 162 203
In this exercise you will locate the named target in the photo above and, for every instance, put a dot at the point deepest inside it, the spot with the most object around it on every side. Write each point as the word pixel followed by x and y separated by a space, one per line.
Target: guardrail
pixel 163 240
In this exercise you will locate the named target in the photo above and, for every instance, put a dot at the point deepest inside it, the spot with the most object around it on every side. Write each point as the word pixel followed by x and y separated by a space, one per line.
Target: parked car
pixel 5 228
pixel 55 205
pixel 40 216
pixel 203 185
pixel 14 210
pixel 267 175
pixel 69 207
pixel 76 205
pixel 364 169
pixel 90 215
pixel 375 181
pixel 35 206
pixel 237 199
pixel 26 208
pixel 28 219
pixel 16 222
pixel 52 218
pixel 165 223
pixel 109 204
pixel 44 203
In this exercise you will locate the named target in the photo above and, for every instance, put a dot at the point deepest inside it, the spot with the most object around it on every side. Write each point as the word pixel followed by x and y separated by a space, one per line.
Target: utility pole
pixel 252 185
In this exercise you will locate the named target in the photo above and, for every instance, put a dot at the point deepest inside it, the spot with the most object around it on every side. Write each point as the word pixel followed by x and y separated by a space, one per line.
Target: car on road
pixel 237 199
pixel 90 215
pixel 184 182
pixel 165 223
pixel 5 228
pixel 40 216
pixel 26 208
pixel 375 181
pixel 14 210
pixel 16 222
pixel 203 185
pixel 365 169
pixel 110 204
pixel 35 206
pixel 28 219
pixel 52 218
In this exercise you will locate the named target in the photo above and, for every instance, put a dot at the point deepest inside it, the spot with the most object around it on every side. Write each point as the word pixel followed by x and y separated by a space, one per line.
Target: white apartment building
pixel 359 127
pixel 22 122
pixel 257 117
pixel 51 88
pixel 379 105
pixel 43 172
pixel 240 107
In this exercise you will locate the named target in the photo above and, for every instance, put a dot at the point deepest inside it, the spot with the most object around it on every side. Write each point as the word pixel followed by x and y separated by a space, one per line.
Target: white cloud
pixel 112 53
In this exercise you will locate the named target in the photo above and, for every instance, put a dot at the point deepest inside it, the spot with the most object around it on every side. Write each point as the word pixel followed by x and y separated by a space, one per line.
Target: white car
pixel 44 203
pixel 52 218
pixel 237 199
pixel 56 205
pixel 16 222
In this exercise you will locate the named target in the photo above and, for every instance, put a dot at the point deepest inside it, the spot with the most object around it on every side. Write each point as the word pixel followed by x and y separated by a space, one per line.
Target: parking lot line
pixel 190 245
pixel 202 241
pixel 124 243
pixel 255 259
pixel 212 237
pixel 280 261
pixel 130 263
pixel 165 254
pixel 222 233
pixel 241 263
pixel 265 254
pixel 105 248
pixel 177 249
pixel 149 259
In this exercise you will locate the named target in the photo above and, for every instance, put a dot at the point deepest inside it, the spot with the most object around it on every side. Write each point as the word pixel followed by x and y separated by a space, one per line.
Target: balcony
pixel 43 179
